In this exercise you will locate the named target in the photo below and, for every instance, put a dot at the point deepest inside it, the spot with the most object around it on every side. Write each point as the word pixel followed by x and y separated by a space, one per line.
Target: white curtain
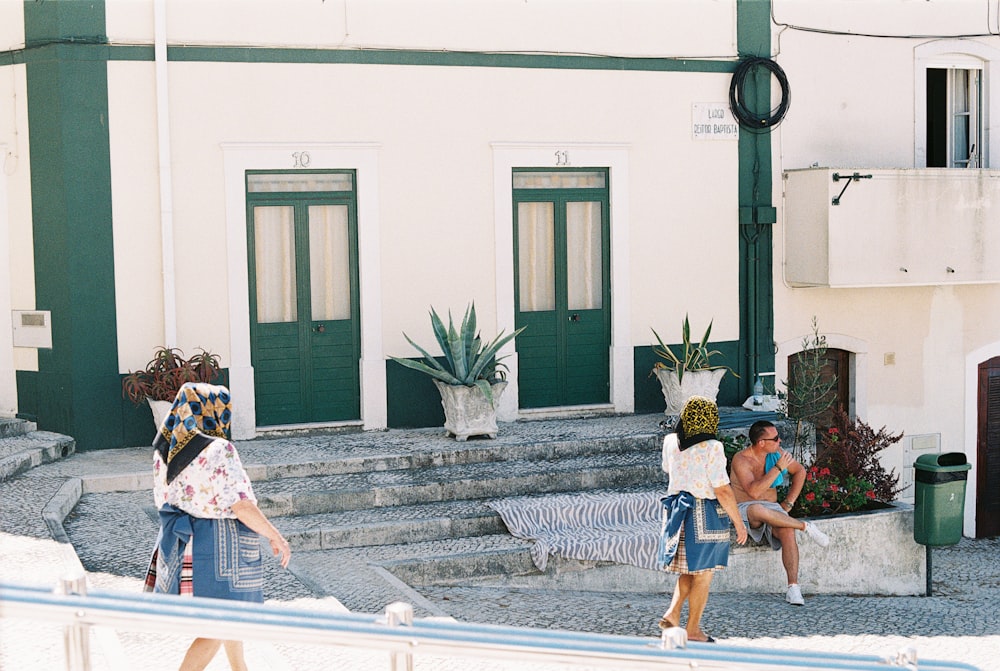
pixel 274 256
pixel 329 262
pixel 583 255
pixel 536 260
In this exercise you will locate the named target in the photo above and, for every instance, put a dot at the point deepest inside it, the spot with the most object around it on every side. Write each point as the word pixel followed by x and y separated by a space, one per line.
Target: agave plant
pixel 467 360
pixel 694 356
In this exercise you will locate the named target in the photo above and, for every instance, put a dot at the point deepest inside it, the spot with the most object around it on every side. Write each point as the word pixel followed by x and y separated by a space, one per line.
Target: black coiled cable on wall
pixel 746 117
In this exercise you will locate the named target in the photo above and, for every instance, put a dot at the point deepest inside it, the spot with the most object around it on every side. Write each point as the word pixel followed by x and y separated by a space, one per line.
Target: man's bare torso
pixel 747 458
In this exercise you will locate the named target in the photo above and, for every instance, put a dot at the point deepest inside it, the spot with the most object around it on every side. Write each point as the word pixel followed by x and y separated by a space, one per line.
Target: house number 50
pixel 301 159
pixel 562 158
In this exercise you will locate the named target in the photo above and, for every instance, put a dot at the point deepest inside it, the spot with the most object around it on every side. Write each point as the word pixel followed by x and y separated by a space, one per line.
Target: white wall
pixel 11 25
pixel 14 158
pixel 8 389
pixel 436 179
pixel 628 28
pixel 437 130
pixel 854 105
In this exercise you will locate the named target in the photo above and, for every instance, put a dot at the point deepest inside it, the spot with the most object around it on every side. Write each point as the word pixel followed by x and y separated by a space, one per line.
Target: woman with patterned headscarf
pixel 208 543
pixel 697 512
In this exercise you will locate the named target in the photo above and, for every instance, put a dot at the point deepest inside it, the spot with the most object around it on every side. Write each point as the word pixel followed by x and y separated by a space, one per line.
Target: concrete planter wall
pixel 160 411
pixel 870 553
pixel 467 412
pixel 695 383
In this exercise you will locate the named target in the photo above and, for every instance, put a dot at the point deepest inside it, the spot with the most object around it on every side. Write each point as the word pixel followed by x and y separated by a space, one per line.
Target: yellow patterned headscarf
pixel 699 421
pixel 200 414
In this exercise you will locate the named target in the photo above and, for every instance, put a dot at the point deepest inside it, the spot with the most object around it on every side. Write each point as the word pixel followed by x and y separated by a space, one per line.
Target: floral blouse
pixel 208 487
pixel 698 470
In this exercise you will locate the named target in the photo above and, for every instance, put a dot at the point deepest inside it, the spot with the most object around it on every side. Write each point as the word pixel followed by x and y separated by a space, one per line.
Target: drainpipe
pixel 166 180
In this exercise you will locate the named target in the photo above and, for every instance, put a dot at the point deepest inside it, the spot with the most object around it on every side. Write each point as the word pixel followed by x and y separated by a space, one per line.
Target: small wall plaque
pixel 32 328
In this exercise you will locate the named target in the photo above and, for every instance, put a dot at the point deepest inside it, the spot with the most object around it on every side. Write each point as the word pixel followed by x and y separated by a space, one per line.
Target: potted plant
pixel 471 378
pixel 157 384
pixel 689 374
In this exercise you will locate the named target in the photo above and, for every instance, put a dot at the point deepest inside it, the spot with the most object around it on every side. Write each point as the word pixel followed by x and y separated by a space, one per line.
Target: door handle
pixel 574 318
pixel 320 329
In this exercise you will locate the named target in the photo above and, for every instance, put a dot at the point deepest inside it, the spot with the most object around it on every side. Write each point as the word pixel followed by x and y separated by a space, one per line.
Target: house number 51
pixel 301 159
pixel 562 158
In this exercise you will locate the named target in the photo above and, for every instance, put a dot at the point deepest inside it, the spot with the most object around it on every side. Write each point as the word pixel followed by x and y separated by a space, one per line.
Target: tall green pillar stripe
pixel 78 382
pixel 753 38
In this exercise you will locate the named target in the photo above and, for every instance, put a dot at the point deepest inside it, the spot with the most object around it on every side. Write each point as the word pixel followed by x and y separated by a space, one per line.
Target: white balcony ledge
pixel 858 227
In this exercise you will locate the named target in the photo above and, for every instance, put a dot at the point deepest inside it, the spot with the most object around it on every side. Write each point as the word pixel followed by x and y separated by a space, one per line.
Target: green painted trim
pixel 443 58
pixel 190 54
pixel 27 394
pixel 649 396
pixel 412 400
pixel 77 380
pixel 76 52
pixel 756 211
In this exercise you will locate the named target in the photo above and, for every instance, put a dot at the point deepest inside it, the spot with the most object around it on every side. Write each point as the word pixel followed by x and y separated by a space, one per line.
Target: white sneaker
pixel 814 533
pixel 794 596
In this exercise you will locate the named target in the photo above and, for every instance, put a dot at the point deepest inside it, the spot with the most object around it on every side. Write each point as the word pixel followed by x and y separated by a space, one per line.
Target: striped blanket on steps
pixel 617 527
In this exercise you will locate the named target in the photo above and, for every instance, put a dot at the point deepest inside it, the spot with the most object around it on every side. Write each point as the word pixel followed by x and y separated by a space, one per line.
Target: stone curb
pixel 43 447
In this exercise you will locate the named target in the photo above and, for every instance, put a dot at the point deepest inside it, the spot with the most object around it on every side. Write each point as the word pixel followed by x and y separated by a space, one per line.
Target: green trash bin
pixel 939 498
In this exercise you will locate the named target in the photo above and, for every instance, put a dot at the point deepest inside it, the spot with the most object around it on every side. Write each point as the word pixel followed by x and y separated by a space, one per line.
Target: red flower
pixel 810 496
pixel 826 504
pixel 834 487
pixel 833 431
pixel 825 471
pixel 870 494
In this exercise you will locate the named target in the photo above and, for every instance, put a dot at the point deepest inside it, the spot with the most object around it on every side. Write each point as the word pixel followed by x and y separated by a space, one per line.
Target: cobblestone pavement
pixel 112 535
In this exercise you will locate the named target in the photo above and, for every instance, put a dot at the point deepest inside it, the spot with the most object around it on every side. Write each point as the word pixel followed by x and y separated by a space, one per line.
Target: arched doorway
pixel 988 450
pixel 834 367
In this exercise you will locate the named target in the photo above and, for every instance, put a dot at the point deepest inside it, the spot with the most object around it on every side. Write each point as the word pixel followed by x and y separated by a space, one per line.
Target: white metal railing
pixel 400 635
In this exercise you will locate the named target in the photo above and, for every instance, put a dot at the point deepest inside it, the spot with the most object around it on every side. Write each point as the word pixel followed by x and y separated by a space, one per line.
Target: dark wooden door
pixel 988 451
pixel 835 366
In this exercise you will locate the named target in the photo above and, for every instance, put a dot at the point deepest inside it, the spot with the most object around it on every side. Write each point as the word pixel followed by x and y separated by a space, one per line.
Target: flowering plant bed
pixel 826 494
pixel 846 476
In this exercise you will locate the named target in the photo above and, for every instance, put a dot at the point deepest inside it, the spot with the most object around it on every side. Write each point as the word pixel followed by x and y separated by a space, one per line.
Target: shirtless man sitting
pixel 754 485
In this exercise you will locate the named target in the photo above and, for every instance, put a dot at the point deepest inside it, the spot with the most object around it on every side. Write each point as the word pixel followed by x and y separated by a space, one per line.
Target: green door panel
pixel 538 360
pixel 588 365
pixel 336 378
pixel 305 334
pixel 562 289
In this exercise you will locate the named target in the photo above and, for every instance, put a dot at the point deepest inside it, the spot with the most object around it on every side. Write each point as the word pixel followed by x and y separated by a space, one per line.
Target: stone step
pixel 365 579
pixel 431 451
pixel 394 525
pixel 390 525
pixel 461 560
pixel 357 491
pixel 23 451
pixel 11 427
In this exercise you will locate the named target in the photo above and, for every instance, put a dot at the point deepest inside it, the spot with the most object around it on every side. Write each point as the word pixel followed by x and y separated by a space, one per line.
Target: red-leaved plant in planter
pixel 166 372
pixel 846 475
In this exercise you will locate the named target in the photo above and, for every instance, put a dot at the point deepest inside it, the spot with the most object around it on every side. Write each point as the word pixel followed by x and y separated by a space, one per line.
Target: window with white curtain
pixel 329 262
pixel 274 260
pixel 536 248
pixel 583 255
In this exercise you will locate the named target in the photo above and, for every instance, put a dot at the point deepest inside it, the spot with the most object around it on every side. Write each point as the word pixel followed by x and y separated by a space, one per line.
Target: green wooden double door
pixel 562 287
pixel 304 318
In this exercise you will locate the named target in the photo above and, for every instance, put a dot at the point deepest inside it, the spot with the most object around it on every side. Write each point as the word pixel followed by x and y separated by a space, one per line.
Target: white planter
pixel 160 411
pixel 695 383
pixel 467 412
